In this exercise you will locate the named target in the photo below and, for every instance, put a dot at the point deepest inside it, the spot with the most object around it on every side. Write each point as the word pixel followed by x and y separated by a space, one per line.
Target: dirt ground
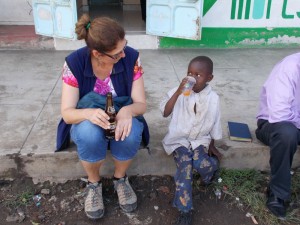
pixel 22 202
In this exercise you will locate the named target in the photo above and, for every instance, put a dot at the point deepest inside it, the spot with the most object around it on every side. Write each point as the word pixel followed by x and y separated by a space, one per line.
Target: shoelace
pixel 124 190
pixel 93 189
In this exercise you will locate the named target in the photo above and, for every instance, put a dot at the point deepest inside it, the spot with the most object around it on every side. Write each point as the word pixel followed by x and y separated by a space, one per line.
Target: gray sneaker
pixel 127 197
pixel 93 205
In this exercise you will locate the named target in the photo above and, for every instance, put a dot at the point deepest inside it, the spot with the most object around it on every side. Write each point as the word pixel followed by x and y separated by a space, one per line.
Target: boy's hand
pixel 181 86
pixel 212 150
pixel 171 102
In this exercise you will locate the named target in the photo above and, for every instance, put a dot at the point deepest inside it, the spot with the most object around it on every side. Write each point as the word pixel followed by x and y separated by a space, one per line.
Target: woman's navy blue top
pixel 80 65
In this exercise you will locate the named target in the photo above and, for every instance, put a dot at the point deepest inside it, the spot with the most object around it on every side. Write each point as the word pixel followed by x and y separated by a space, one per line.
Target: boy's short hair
pixel 206 61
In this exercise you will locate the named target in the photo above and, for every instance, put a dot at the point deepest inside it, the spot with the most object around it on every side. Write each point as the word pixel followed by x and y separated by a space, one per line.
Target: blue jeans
pixel 186 161
pixel 92 144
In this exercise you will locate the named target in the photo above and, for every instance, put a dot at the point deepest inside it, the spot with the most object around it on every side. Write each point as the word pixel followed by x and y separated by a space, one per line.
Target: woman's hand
pixel 98 117
pixel 124 124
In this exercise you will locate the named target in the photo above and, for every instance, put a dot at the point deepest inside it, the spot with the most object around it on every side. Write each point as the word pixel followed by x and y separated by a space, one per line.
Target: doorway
pixel 129 13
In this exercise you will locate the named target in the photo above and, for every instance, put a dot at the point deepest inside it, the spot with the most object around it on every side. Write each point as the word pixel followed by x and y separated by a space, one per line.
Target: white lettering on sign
pixel 253 13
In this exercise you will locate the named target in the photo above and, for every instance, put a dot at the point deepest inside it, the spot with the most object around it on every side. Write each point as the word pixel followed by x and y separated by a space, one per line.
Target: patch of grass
pixel 249 185
pixel 22 199
pixel 296 186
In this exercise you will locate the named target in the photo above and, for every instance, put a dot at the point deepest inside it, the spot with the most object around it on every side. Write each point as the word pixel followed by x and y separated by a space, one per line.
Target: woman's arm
pixel 138 96
pixel 71 115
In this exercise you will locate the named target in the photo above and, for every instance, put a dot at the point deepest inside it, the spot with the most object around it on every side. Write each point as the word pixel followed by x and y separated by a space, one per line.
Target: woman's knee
pixel 135 135
pixel 87 133
pixel 127 149
pixel 90 141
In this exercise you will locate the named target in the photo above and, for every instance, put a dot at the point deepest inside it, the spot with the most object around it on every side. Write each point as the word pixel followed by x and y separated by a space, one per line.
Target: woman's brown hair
pixel 101 34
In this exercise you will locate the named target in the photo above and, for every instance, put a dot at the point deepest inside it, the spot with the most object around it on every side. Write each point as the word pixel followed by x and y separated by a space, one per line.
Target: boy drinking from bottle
pixel 195 124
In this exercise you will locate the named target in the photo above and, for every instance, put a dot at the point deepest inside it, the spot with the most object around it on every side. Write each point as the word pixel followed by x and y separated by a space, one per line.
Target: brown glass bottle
pixel 111 112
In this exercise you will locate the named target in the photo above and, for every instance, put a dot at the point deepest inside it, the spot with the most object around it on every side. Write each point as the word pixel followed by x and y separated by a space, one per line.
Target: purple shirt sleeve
pixel 280 96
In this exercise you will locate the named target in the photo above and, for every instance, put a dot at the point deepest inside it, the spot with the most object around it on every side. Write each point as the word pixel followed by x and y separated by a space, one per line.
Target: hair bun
pixel 88 25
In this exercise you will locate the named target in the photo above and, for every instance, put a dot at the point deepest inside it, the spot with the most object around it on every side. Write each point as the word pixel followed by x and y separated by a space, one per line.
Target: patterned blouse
pixel 101 87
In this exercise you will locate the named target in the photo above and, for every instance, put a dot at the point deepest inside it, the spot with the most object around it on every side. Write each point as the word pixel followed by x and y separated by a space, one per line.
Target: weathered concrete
pixel 138 40
pixel 14 37
pixel 15 12
pixel 30 109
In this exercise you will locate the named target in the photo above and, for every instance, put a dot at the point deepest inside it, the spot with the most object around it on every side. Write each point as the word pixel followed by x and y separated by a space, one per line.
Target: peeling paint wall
pixel 245 23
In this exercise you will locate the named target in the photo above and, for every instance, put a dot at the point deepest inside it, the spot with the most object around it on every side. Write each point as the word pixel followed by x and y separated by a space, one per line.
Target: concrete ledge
pixel 250 155
pixel 16 37
pixel 62 166
pixel 8 166
pixel 137 40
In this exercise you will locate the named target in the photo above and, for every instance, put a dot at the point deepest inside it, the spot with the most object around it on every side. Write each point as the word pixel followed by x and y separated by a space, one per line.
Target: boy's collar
pixel 204 91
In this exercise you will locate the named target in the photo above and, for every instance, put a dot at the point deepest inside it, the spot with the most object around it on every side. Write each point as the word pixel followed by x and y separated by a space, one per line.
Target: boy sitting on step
pixel 195 124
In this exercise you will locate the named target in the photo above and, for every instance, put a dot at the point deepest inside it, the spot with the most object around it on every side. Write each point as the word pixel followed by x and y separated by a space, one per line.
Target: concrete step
pixel 63 166
pixel 135 39
pixel 14 37
pixel 23 37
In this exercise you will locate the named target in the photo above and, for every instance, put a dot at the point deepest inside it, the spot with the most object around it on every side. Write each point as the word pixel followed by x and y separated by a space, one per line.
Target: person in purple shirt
pixel 278 126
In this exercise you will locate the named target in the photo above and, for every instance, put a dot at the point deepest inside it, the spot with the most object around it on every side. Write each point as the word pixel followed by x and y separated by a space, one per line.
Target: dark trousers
pixel 282 138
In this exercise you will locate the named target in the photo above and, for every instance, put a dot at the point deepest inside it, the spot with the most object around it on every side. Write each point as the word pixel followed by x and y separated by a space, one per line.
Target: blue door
pixel 55 18
pixel 174 18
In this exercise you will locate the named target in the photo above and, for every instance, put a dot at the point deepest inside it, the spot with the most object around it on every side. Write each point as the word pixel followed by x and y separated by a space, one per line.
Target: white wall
pixel 17 12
